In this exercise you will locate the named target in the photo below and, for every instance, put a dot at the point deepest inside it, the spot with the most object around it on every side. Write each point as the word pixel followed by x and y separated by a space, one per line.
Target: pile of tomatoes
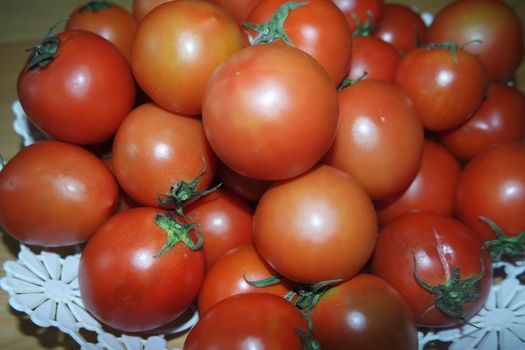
pixel 309 174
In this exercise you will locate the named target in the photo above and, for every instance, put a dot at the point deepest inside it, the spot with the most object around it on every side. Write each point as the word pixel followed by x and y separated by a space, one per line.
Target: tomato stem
pixel 177 232
pixel 95 6
pixel 43 53
pixel 504 245
pixel 363 29
pixel 347 82
pixel 273 29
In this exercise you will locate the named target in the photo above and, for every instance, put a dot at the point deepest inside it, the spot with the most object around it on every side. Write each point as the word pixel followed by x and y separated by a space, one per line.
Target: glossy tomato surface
pixel 316 227
pixel 373 58
pixel 128 286
pixel 261 118
pixel 83 93
pixel 141 8
pixel 238 9
pixel 437 250
pixel 55 194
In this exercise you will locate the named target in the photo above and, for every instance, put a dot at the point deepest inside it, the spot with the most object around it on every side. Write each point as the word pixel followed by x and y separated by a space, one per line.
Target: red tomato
pixel 433 189
pixel 154 150
pixel 249 321
pixel 55 194
pixel 372 58
pixel 358 12
pixel 129 286
pixel 125 201
pixel 239 9
pixel 82 92
pixel 247 188
pixel 493 24
pixel 316 227
pixel 231 273
pixel 379 133
pixel 226 222
pixel 401 27
pixel 446 85
pixel 364 313
pixel 492 185
pixel 437 264
pixel 317 27
pixel 261 118
pixel 498 119
pixel 142 7
pixel 110 21
pixel 176 48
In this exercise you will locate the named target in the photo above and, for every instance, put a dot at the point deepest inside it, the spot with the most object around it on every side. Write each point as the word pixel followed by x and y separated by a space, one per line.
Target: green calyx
pixel 273 29
pixel 177 232
pixel 455 293
pixel 95 6
pixel 43 53
pixel 452 47
pixel 504 245
pixel 363 29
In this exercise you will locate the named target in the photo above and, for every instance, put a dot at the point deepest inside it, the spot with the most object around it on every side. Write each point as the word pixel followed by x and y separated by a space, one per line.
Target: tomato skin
pixel 250 320
pixel 262 120
pixel 371 10
pixel 438 244
pixel 325 216
pixel 141 8
pixel 113 23
pixel 493 185
pixel 318 28
pixel 55 194
pixel 247 188
pixel 239 9
pixel 379 132
pixel 229 276
pixel 226 222
pixel 154 149
pixel 83 95
pixel 494 24
pixel 364 313
pixel 373 57
pixel 498 119
pixel 445 91
pixel 432 190
pixel 176 48
pixel 125 286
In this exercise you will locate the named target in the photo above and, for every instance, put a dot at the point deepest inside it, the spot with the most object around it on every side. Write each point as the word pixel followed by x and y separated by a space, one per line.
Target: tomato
pixel 437 264
pixel 82 92
pixel 154 150
pixel 372 58
pixel 359 13
pixel 379 133
pixel 493 25
pixel 141 8
pixel 176 48
pixel 498 119
pixel 492 186
pixel 364 313
pixel 239 9
pixel 125 201
pixel 226 222
pixel 249 321
pixel 231 273
pixel 131 287
pixel 261 118
pixel 401 27
pixel 433 189
pixel 55 194
pixel 108 20
pixel 447 85
pixel 316 227
pixel 247 188
pixel 317 27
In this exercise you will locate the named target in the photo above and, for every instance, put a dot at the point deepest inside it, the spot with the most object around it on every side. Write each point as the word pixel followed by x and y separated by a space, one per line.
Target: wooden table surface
pixel 22 24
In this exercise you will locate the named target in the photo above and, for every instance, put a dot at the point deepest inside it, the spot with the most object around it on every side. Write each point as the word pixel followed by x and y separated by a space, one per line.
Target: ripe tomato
pixel 379 133
pixel 433 189
pixel 130 287
pixel 401 27
pixel 154 150
pixel 110 21
pixel 493 24
pixel 226 222
pixel 325 217
pixel 261 118
pixel 446 85
pixel 437 264
pixel 317 27
pixel 249 321
pixel 359 13
pixel 492 185
pixel 231 273
pixel 238 9
pixel 364 313
pixel 80 93
pixel 372 58
pixel 176 48
pixel 498 119
pixel 55 194
pixel 142 7
pixel 247 188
